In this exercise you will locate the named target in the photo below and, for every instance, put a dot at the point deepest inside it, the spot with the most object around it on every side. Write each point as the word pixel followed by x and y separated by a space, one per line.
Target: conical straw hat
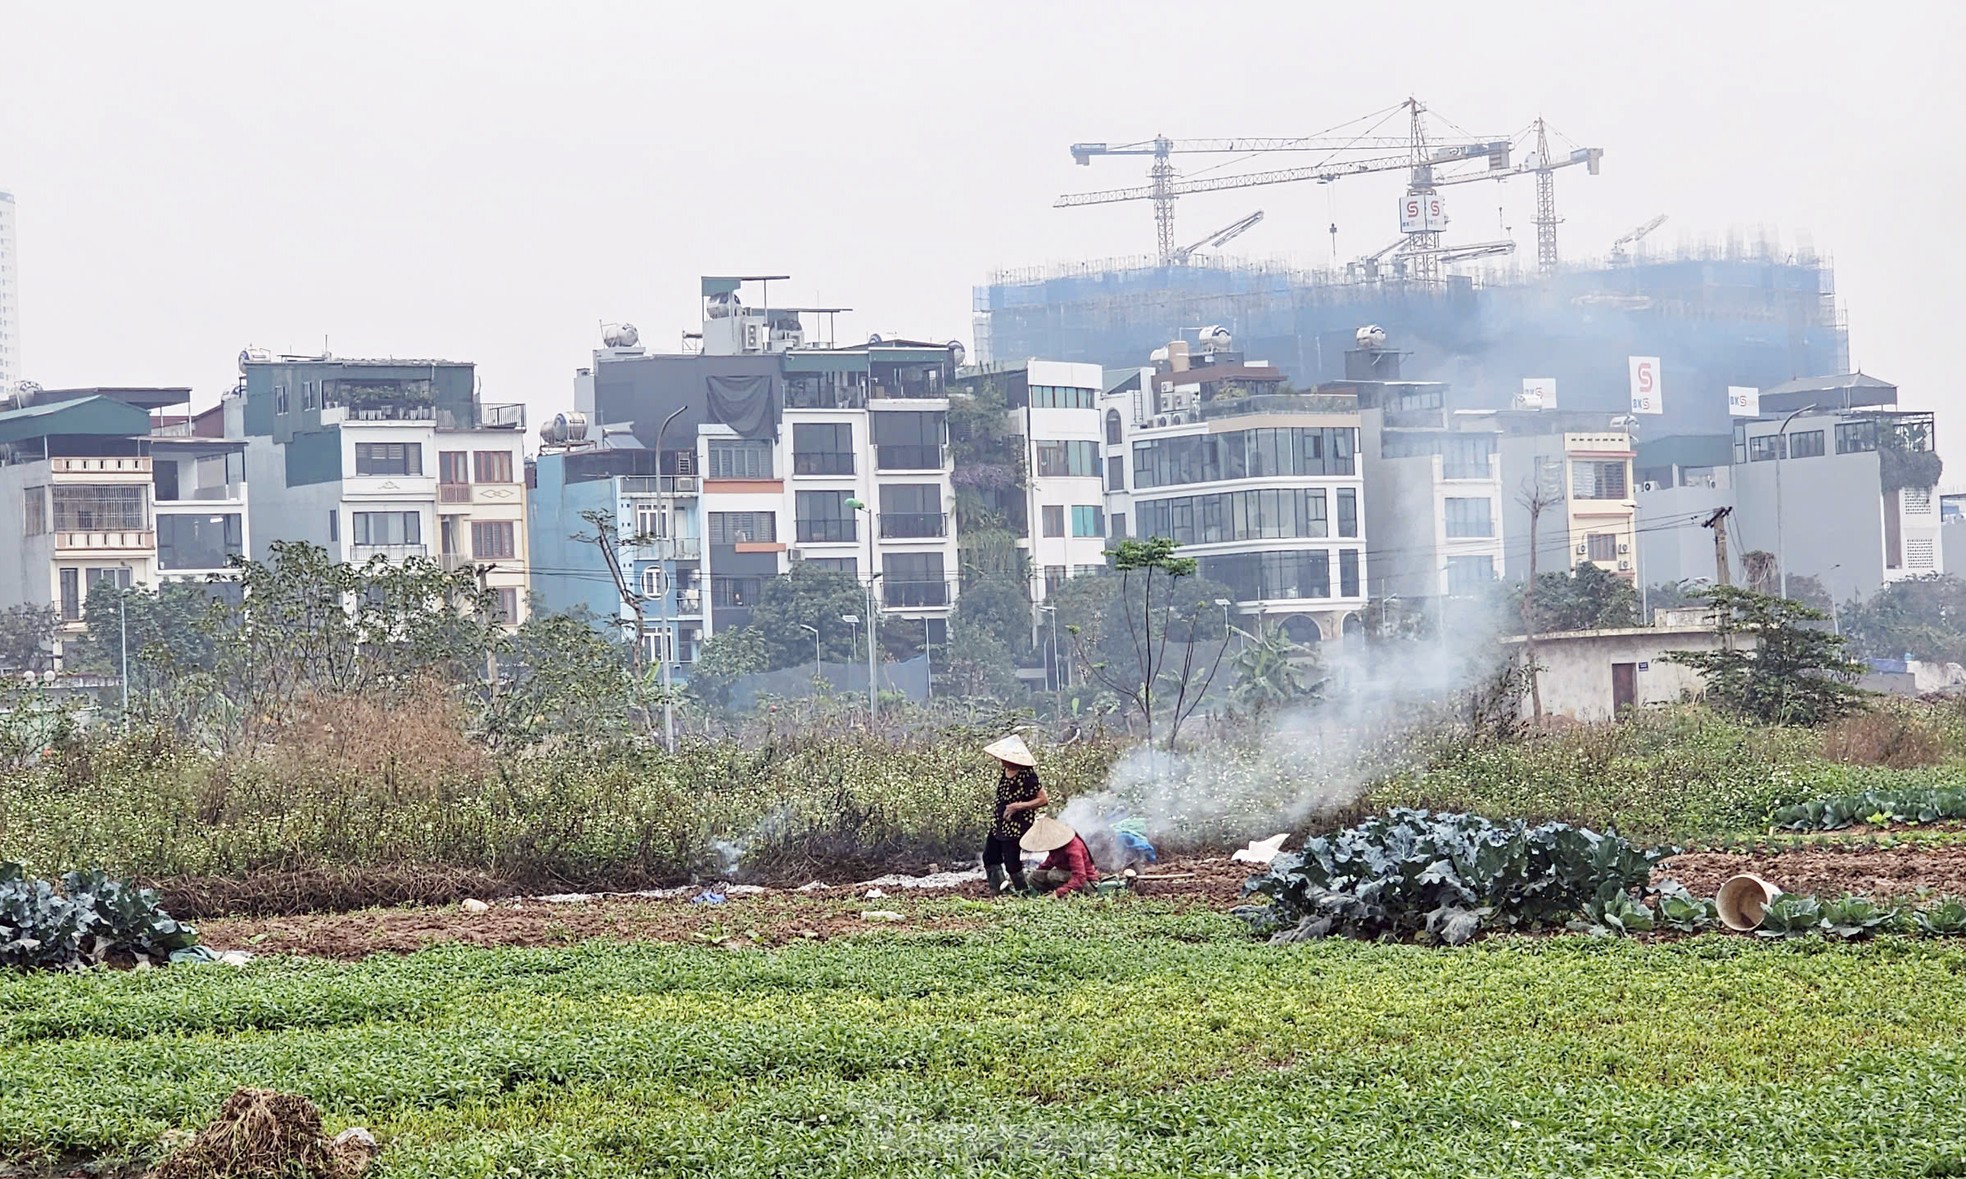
pixel 1047 835
pixel 1013 750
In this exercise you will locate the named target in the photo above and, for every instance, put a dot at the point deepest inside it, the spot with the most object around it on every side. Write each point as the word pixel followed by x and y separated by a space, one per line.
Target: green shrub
pixel 92 919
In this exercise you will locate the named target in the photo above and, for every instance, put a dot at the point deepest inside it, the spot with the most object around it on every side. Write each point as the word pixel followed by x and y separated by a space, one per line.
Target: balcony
pixel 478 493
pixel 915 593
pixel 908 458
pixel 112 541
pixel 684 486
pixel 828 531
pixel 914 525
pixel 824 462
pixel 453 493
pixel 359 554
pixel 669 548
pixel 689 603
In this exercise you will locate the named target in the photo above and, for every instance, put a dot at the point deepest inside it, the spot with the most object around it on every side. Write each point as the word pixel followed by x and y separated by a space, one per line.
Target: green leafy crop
pixel 1444 877
pixel 91 919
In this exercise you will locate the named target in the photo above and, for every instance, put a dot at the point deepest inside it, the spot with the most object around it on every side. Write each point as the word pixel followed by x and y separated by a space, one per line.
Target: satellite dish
pixel 874 338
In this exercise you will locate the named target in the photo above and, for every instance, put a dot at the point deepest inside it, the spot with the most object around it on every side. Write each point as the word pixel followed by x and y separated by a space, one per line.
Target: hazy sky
pixel 419 179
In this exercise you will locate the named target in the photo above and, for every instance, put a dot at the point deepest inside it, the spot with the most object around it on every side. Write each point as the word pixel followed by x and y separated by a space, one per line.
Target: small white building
pixel 1595 675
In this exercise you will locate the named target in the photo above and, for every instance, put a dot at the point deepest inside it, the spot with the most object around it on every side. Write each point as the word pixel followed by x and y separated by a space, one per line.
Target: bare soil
pixel 1830 871
pixel 771 918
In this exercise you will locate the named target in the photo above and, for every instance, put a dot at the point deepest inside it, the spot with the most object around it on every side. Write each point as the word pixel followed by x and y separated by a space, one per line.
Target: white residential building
pixel 102 490
pixel 386 458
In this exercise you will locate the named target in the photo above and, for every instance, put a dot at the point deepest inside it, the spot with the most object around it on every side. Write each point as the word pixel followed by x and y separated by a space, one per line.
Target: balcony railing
pixel 915 593
pixel 453 493
pixel 680 485
pixel 908 458
pixel 122 465
pixel 670 548
pixel 360 553
pixel 823 462
pixel 914 525
pixel 112 540
pixel 828 531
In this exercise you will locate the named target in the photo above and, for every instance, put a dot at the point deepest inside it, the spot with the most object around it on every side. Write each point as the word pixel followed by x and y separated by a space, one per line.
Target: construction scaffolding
pixel 1742 310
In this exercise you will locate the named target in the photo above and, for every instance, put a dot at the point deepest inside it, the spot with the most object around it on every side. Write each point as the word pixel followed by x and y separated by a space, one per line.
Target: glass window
pixel 908 440
pixel 1595 479
pixel 1601 546
pixel 1054 576
pixel 1088 520
pixel 822 448
pixel 1115 473
pixel 71 594
pixel 198 542
pixel 1469 575
pixel 36 515
pixel 1763 448
pixel 914 579
pixel 334 524
pixel 823 517
pixel 847 565
pixel 506 607
pixel 740 458
pixel 1115 429
pixel 1060 397
pixel 492 466
pixel 492 539
pixel 1119 524
pixel 1807 444
pixel 1054 519
pixel 453 466
pixel 388 528
pixel 743 527
pixel 734 592
pixel 1856 437
pixel 1058 459
pixel 389 458
pixel 1347 511
pixel 1470 517
pixel 912 511
pixel 1348 581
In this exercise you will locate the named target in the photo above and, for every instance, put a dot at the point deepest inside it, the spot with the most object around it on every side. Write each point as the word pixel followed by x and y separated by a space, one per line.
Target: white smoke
pixel 1302 762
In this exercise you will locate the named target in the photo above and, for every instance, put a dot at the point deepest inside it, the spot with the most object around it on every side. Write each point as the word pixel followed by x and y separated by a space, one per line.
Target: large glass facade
pixel 1245 454
pixel 1287 513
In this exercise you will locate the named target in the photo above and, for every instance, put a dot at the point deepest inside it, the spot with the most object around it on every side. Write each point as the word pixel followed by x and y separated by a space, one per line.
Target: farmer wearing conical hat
pixel 1068 866
pixel 1020 796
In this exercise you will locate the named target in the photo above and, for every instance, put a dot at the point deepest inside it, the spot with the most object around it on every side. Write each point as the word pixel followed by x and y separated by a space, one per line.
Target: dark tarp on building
pixel 747 404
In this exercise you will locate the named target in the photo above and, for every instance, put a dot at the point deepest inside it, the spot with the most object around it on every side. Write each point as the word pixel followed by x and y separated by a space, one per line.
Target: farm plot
pixel 1106 1038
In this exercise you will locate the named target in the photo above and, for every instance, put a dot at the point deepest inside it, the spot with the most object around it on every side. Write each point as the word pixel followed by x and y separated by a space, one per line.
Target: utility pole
pixel 1538 498
pixel 1718 522
pixel 873 685
pixel 482 572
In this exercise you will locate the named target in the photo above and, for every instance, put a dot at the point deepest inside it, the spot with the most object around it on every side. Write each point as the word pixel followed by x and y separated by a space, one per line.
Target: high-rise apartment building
pixel 10 369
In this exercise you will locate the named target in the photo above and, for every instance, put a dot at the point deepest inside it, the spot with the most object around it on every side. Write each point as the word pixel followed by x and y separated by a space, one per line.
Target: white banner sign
pixel 1422 213
pixel 1538 393
pixel 1647 397
pixel 1743 401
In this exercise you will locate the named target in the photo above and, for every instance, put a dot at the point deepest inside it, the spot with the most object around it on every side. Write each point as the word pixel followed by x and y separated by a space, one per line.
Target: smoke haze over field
pixel 442 179
pixel 1302 762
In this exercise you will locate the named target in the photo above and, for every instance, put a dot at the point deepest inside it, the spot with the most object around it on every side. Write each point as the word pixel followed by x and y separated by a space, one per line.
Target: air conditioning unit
pixel 1161 420
pixel 685 485
pixel 1623 549
pixel 1648 485
pixel 1581 550
pixel 1624 566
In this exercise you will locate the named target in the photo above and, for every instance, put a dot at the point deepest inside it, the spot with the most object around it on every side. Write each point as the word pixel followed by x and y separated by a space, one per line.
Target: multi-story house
pixel 1263 486
pixel 1832 478
pixel 1060 514
pixel 1582 478
pixel 102 490
pixel 732 461
pixel 1433 484
pixel 386 458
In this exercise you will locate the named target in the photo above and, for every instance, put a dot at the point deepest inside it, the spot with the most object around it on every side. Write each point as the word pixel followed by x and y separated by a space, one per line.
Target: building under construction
pixel 1743 313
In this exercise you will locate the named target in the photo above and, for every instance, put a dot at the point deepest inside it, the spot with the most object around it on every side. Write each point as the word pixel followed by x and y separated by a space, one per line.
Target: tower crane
pixel 1618 253
pixel 1163 185
pixel 1219 238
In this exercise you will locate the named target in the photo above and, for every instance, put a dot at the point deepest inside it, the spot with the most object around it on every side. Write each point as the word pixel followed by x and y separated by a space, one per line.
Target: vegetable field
pixel 1104 1038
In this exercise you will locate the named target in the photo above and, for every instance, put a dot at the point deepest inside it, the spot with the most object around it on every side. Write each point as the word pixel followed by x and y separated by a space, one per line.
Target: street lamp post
pixel 1057 662
pixel 1781 537
pixel 873 613
pixel 815 648
pixel 123 624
